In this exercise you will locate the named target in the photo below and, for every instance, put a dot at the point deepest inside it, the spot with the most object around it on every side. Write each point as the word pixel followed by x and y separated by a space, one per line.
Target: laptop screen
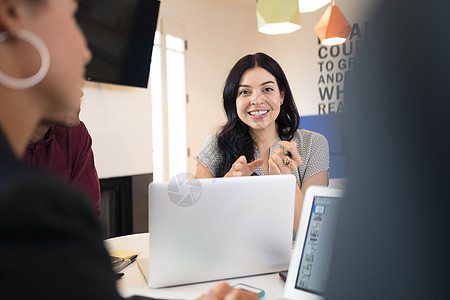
pixel 316 254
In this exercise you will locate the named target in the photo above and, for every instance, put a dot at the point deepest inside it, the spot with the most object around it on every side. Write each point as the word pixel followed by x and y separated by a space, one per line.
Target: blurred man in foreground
pixel 61 144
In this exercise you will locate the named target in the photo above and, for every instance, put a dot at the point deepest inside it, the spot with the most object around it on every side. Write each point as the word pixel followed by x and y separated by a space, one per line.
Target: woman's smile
pixel 258 113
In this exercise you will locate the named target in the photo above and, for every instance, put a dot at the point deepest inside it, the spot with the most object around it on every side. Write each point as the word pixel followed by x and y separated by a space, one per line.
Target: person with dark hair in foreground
pixel 392 240
pixel 51 243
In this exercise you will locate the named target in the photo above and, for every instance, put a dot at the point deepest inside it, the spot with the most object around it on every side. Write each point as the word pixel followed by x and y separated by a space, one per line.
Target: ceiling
pixel 242 3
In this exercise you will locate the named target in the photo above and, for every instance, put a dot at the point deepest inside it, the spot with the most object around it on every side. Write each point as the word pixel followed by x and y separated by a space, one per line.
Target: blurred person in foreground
pixel 392 240
pixel 51 242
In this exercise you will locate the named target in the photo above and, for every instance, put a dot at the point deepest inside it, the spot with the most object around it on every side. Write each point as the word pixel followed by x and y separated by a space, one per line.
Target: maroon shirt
pixel 67 152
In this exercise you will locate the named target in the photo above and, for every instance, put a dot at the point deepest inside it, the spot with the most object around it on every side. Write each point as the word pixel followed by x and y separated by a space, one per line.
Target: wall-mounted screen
pixel 120 35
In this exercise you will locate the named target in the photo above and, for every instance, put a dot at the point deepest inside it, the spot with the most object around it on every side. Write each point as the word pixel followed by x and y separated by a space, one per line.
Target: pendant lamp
pixel 307 6
pixel 278 16
pixel 333 27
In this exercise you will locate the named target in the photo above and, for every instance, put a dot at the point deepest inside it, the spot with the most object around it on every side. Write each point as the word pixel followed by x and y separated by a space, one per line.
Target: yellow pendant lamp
pixel 278 16
pixel 333 28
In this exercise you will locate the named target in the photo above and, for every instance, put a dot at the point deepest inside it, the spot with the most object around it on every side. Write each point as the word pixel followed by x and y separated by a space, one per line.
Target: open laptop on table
pixel 221 228
pixel 308 270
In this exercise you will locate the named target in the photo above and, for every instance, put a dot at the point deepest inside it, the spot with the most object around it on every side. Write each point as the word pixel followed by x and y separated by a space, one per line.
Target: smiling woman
pixel 261 136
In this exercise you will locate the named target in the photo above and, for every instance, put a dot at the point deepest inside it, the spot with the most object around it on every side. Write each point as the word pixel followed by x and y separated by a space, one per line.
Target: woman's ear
pixel 282 97
pixel 9 15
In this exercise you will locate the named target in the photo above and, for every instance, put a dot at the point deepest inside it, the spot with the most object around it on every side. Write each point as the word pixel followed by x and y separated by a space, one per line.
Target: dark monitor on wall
pixel 120 35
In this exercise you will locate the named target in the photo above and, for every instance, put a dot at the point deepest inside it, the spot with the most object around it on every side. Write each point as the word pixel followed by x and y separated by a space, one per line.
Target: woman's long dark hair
pixel 234 137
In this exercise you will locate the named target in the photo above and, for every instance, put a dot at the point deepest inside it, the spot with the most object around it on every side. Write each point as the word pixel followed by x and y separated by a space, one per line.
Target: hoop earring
pixel 33 39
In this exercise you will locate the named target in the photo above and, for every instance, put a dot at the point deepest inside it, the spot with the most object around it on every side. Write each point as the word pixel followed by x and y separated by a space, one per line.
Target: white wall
pixel 218 34
pixel 119 121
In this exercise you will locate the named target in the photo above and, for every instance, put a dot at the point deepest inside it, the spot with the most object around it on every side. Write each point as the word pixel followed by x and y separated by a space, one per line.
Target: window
pixel 168 107
pixel 157 110
pixel 176 101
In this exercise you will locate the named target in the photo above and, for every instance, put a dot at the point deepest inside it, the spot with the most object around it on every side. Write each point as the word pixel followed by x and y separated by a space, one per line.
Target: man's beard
pixel 62 123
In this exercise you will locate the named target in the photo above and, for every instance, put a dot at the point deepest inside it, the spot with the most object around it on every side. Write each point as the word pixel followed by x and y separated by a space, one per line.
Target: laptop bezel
pixel 290 291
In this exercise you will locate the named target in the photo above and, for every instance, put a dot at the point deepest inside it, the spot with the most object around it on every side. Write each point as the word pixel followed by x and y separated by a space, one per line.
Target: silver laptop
pixel 308 270
pixel 211 229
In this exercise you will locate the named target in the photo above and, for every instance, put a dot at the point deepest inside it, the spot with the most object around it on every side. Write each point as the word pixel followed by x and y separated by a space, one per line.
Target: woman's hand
pixel 242 168
pixel 223 291
pixel 281 163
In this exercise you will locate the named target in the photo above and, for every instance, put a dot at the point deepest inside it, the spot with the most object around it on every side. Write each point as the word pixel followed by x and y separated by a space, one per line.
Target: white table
pixel 134 283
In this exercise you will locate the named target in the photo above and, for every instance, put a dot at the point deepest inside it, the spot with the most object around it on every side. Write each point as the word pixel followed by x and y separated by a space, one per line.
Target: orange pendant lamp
pixel 333 28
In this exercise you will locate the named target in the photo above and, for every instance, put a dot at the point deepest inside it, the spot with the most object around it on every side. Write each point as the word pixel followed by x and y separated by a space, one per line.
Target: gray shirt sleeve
pixel 210 154
pixel 319 159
